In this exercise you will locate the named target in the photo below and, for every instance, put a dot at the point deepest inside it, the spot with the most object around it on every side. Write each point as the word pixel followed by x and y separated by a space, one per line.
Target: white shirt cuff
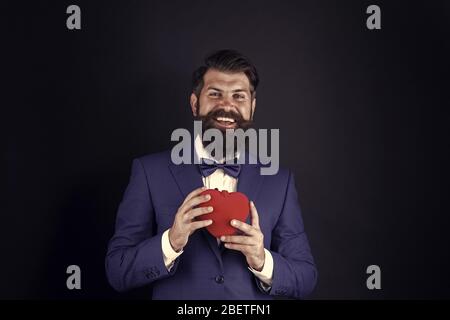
pixel 266 274
pixel 169 255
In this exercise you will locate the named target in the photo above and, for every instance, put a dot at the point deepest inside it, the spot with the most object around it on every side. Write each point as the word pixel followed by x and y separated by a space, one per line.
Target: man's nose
pixel 226 103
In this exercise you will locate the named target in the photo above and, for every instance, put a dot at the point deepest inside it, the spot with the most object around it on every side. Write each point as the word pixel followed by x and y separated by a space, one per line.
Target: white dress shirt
pixel 220 180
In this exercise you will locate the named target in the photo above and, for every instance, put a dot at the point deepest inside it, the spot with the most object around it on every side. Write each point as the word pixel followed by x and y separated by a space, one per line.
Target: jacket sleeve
pixel 134 256
pixel 294 273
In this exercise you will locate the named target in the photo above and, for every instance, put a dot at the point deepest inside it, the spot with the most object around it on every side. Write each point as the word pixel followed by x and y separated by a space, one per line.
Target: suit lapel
pixel 187 177
pixel 250 181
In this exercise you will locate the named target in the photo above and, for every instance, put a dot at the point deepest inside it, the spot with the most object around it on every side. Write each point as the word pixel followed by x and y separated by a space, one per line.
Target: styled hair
pixel 226 61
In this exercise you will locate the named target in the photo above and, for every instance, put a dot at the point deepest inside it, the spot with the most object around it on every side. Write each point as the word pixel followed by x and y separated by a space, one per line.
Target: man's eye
pixel 213 94
pixel 239 96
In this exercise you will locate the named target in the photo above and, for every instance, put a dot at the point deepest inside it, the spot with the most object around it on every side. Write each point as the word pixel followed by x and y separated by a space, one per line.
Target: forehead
pixel 216 78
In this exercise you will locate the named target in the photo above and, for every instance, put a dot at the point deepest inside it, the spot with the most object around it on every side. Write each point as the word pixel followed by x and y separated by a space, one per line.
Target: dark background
pixel 362 117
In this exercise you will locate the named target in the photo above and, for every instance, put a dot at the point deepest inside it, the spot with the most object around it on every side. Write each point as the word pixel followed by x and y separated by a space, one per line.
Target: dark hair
pixel 227 61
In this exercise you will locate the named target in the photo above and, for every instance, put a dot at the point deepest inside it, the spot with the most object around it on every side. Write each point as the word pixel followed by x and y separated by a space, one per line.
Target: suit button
pixel 219 279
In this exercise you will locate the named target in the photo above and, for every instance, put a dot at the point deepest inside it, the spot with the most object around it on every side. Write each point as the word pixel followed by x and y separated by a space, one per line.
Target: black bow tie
pixel 230 169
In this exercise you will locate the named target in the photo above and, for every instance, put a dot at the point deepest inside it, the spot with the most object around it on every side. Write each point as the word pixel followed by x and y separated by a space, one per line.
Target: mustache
pixel 209 119
pixel 236 116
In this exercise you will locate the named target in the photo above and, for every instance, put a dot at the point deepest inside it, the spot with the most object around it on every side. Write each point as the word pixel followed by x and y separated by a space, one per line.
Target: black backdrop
pixel 362 118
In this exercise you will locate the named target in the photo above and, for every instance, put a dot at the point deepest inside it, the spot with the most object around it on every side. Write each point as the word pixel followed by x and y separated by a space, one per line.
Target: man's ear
pixel 194 102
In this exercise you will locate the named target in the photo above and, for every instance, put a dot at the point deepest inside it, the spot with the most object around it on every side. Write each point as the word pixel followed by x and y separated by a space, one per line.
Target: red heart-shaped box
pixel 227 206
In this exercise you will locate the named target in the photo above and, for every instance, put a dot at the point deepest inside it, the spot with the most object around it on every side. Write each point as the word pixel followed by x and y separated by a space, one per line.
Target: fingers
pixel 191 214
pixel 239 240
pixel 194 202
pixel 194 193
pixel 199 224
pixel 244 227
pixel 238 247
pixel 254 214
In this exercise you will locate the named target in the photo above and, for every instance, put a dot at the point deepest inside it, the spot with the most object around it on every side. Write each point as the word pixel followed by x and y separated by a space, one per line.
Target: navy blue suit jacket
pixel 157 188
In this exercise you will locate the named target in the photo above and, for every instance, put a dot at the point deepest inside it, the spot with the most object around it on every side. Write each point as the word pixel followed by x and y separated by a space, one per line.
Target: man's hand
pixel 184 224
pixel 251 244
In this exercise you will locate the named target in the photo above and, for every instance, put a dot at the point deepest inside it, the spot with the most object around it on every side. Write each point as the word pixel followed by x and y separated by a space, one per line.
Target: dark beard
pixel 208 122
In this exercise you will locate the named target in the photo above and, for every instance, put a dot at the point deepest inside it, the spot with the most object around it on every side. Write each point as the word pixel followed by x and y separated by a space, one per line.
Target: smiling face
pixel 226 101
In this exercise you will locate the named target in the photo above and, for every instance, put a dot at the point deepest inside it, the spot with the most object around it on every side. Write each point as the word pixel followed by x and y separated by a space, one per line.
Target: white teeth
pixel 225 119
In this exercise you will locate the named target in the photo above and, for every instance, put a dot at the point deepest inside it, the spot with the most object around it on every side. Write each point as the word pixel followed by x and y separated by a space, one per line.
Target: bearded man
pixel 159 240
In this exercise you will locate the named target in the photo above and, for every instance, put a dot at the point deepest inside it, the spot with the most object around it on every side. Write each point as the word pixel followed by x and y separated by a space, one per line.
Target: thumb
pixel 254 214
